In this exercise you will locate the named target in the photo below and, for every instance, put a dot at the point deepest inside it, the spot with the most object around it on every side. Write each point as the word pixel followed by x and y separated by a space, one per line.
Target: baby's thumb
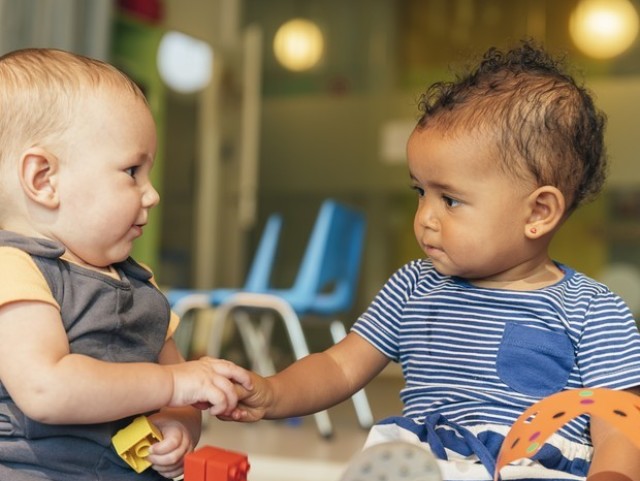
pixel 241 391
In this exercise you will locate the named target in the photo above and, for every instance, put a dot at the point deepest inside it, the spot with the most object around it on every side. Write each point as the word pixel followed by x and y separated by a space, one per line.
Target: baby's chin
pixel 454 271
pixel 443 268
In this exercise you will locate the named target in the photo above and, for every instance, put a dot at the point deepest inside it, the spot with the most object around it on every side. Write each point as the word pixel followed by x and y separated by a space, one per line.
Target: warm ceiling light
pixel 604 28
pixel 185 63
pixel 298 44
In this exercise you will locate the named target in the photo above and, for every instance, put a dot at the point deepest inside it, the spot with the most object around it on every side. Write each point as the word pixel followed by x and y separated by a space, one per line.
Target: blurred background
pixel 269 106
pixel 275 105
pixel 333 111
pixel 333 121
pixel 266 106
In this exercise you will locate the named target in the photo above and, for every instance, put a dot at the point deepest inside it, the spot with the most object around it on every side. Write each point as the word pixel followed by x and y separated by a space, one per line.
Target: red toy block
pixel 209 463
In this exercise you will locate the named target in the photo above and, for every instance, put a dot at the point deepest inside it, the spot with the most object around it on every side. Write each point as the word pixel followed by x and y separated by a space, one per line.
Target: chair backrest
pixel 259 273
pixel 327 279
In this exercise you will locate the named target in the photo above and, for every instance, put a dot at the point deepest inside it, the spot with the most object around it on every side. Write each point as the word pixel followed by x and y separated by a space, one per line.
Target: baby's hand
pixel 167 456
pixel 208 381
pixel 252 403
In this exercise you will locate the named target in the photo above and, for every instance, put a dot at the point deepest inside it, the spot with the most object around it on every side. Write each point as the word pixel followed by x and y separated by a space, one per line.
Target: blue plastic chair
pixel 183 301
pixel 325 286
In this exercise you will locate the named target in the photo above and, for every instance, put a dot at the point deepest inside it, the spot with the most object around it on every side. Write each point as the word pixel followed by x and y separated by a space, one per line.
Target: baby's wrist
pixel 171 384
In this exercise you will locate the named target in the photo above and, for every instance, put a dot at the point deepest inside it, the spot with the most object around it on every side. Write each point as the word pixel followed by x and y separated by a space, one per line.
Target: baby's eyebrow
pixel 436 185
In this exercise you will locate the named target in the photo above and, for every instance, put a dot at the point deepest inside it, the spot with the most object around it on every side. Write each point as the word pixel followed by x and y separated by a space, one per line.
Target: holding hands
pixel 252 404
pixel 206 384
pixel 209 384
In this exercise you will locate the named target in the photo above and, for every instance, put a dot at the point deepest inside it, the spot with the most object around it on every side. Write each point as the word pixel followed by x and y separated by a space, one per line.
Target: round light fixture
pixel 603 28
pixel 185 63
pixel 298 44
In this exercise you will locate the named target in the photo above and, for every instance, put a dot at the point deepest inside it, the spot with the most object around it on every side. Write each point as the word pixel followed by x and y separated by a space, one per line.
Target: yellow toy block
pixel 132 443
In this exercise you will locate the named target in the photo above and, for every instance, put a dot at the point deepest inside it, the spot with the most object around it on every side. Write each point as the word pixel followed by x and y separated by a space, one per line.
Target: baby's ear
pixel 546 211
pixel 38 176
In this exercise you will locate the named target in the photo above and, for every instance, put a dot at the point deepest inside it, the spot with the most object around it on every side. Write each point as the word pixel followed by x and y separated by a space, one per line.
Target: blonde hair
pixel 40 91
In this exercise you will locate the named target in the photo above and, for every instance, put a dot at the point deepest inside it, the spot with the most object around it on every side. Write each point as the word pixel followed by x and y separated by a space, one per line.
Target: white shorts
pixel 456 468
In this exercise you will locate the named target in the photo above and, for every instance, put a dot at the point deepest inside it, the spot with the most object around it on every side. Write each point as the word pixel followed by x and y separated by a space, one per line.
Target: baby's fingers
pixel 241 391
pixel 227 395
pixel 231 371
pixel 218 400
pixel 235 415
pixel 223 398
pixel 242 414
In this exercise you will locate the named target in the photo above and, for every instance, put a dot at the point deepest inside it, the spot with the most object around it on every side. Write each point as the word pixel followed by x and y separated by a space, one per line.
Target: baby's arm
pixel 312 384
pixel 53 385
pixel 615 457
pixel 180 427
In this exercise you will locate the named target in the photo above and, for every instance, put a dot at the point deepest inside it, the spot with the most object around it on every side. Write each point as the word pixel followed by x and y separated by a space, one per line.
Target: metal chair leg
pixel 183 336
pixel 292 325
pixel 256 341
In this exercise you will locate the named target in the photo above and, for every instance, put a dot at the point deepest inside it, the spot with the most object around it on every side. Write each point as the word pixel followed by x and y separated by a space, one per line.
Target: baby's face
pixel 471 215
pixel 105 188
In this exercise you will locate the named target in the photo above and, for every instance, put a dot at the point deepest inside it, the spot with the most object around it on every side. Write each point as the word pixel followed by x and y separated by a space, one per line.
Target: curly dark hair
pixel 545 124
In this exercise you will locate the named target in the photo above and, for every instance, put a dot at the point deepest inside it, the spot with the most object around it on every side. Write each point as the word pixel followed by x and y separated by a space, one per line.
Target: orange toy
pixel 215 464
pixel 530 431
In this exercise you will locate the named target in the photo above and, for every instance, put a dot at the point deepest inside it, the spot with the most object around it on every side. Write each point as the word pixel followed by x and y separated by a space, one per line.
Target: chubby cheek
pixel 418 231
pixel 464 240
pixel 460 245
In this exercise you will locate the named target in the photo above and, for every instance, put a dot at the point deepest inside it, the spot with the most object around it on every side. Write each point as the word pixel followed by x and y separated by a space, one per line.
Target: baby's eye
pixel 132 171
pixel 451 202
pixel 418 190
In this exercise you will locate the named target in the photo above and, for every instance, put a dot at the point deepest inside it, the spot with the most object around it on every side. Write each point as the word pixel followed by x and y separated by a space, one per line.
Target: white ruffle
pixel 468 468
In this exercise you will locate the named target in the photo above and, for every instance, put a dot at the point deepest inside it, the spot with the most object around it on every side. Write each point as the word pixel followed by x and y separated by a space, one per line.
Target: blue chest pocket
pixel 534 362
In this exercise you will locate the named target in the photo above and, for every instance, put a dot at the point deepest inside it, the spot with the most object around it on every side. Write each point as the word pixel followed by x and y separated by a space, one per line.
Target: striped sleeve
pixel 380 323
pixel 21 280
pixel 609 351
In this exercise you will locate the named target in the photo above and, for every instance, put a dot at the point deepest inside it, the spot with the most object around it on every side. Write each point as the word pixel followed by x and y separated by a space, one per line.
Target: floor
pixel 293 450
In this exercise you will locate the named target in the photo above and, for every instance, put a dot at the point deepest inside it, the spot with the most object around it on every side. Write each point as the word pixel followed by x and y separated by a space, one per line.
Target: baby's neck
pixel 107 270
pixel 543 276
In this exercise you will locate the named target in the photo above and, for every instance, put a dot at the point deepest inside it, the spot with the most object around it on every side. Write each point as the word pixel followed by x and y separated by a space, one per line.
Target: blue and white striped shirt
pixel 482 356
